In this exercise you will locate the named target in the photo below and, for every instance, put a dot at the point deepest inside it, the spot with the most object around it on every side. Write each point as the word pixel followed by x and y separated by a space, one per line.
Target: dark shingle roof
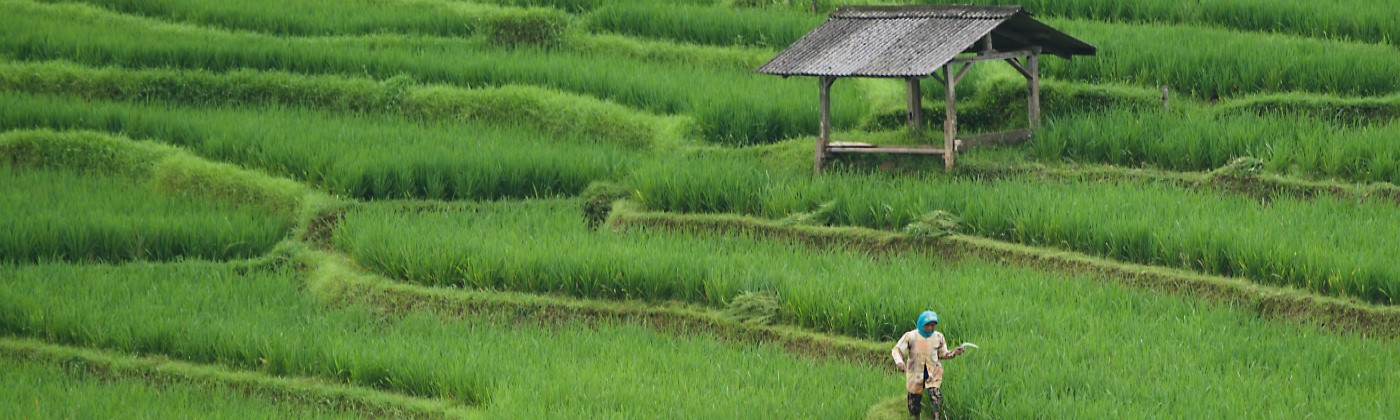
pixel 902 41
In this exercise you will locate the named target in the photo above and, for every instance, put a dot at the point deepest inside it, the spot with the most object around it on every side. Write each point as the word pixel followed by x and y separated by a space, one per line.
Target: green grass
pixel 1193 60
pixel 86 196
pixel 500 99
pixel 62 215
pixel 1189 139
pixel 1279 303
pixel 1207 63
pixel 316 17
pixel 34 390
pixel 1332 246
pixel 1341 19
pixel 562 116
pixel 303 393
pixel 702 24
pixel 263 320
pixel 1052 345
pixel 729 107
pixel 361 156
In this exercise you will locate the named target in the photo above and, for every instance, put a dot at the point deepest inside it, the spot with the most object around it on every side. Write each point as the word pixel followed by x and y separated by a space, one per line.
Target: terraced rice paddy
pixel 594 208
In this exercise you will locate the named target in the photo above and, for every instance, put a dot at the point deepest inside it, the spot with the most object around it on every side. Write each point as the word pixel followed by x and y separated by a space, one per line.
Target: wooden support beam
pixel 950 122
pixel 1033 105
pixel 992 56
pixel 899 150
pixel 1016 64
pixel 916 104
pixel 987 44
pixel 940 80
pixel 824 135
pixel 962 72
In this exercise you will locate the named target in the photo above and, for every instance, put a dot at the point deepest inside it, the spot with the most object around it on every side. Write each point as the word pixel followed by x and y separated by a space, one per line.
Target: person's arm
pixel 898 351
pixel 943 352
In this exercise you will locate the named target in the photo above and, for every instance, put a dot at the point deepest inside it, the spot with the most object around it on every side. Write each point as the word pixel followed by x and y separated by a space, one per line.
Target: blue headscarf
pixel 925 318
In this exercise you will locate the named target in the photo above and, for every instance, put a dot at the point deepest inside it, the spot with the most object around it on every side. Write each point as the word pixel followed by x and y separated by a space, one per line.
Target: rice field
pixel 400 208
pixel 1353 20
pixel 266 321
pixel 545 248
pixel 54 215
pixel 312 18
pixel 356 156
pixel 1333 246
pixel 1203 140
pixel 38 390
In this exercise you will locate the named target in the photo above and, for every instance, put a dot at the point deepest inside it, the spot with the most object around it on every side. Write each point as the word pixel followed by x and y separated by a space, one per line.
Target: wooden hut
pixel 914 42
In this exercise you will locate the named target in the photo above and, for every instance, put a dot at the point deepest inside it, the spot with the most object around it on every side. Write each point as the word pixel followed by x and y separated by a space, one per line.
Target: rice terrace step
pixel 699 209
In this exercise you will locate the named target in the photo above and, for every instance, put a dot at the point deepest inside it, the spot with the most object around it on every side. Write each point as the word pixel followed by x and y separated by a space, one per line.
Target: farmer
pixel 922 372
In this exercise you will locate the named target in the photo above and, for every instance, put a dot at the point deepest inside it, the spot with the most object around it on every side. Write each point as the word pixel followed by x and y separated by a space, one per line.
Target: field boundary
pixel 1291 305
pixel 304 391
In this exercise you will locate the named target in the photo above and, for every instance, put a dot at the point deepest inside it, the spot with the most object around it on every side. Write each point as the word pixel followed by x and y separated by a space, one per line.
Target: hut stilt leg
pixel 824 136
pixel 950 121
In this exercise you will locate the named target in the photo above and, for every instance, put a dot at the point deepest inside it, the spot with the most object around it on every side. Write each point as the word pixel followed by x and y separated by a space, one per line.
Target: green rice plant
pixel 1331 246
pixel 83 152
pixel 1128 53
pixel 263 319
pixel 165 168
pixel 702 24
pixel 571 6
pixel 38 390
pixel 1194 139
pixel 61 215
pixel 544 247
pixel 993 97
pixel 502 25
pixel 158 372
pixel 1343 19
pixel 557 114
pixel 139 201
pixel 730 107
pixel 1209 63
pixel 363 156
pixel 706 56
pixel 1330 107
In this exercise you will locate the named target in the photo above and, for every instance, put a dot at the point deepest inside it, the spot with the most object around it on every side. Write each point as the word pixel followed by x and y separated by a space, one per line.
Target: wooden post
pixel 1164 96
pixel 824 136
pixel 916 105
pixel 1033 105
pixel 950 121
